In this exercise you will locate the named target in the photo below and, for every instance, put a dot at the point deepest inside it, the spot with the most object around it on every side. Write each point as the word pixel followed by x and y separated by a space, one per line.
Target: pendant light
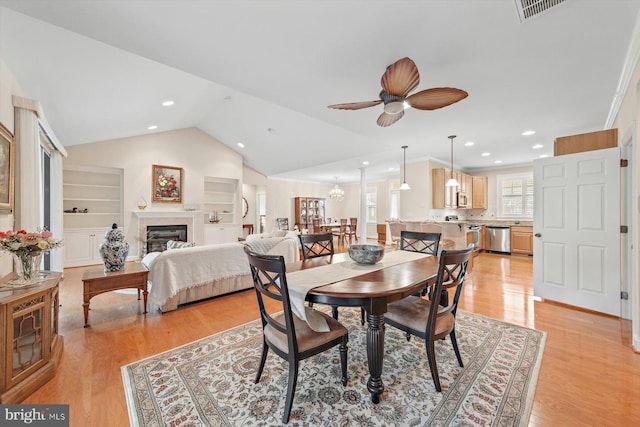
pixel 404 185
pixel 336 192
pixel 452 182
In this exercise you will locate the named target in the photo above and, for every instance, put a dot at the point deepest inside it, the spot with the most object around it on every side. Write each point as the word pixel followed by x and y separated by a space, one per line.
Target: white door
pixel 577 229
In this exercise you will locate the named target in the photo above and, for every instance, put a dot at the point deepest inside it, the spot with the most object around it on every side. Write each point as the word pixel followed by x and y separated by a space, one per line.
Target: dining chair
pixel 314 246
pixel 428 320
pixel 288 336
pixel 353 229
pixel 283 223
pixel 395 228
pixel 316 225
pixel 427 227
pixel 342 232
pixel 417 241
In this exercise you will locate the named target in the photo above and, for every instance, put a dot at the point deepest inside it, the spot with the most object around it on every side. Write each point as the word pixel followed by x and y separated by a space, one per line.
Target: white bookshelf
pixel 221 196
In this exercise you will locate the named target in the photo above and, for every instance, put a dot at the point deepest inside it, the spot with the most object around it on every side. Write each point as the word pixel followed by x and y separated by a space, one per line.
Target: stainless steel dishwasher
pixel 498 238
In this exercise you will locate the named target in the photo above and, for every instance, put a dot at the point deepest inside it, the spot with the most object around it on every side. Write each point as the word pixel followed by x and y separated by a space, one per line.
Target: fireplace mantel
pixel 166 214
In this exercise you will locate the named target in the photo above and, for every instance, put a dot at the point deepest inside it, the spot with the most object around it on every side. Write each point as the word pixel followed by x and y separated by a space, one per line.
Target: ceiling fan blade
pixel 432 99
pixel 400 78
pixel 355 105
pixel 387 119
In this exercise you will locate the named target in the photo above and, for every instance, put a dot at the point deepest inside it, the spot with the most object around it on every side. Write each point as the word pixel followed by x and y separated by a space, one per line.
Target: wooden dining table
pixel 373 291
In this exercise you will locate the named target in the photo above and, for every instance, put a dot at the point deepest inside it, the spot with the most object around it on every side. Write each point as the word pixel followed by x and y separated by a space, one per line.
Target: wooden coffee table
pixel 95 281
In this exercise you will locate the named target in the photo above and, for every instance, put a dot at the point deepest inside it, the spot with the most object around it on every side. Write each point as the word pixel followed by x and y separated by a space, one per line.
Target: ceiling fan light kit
pixel 452 181
pixel 404 185
pixel 398 80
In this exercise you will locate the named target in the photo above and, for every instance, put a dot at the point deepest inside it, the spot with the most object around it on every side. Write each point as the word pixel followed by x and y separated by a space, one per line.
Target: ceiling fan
pixel 398 80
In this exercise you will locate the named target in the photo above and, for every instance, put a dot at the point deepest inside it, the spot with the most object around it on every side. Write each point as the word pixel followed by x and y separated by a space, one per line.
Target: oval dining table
pixel 373 291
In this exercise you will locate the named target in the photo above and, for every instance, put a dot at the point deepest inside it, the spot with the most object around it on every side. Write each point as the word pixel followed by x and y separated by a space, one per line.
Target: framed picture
pixel 7 161
pixel 167 184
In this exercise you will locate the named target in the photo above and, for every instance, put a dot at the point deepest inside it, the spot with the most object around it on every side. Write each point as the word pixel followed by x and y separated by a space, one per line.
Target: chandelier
pixel 336 192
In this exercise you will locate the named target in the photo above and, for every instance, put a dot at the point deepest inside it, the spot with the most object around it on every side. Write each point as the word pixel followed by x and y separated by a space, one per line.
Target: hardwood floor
pixel 589 376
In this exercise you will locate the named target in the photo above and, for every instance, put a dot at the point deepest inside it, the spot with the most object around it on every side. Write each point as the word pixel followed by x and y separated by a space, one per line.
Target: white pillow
pixel 147 260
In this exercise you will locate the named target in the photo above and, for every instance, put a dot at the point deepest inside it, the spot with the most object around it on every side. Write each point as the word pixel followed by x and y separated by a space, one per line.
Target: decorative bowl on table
pixel 366 254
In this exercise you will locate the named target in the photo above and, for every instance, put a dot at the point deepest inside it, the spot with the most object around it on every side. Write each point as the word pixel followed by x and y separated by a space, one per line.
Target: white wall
pixel 627 121
pixel 199 154
pixel 8 87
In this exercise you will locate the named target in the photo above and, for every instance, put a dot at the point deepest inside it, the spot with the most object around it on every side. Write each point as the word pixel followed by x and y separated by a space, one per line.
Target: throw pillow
pixel 176 244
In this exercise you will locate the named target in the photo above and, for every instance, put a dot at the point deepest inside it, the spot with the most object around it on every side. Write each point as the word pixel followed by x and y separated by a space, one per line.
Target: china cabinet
pixel 31 346
pixel 307 209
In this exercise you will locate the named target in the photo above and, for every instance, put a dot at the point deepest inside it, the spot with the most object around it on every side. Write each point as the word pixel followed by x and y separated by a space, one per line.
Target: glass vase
pixel 26 265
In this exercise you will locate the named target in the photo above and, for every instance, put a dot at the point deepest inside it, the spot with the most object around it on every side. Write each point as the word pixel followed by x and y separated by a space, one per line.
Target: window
pixel 515 196
pixel 394 204
pixel 371 205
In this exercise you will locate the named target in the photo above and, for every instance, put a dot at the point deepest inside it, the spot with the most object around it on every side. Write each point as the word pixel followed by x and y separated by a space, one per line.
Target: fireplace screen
pixel 159 235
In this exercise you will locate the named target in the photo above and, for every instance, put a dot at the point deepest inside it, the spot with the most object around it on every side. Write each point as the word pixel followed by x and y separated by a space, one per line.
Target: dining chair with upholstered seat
pixel 353 229
pixel 314 246
pixel 316 225
pixel 428 320
pixel 288 336
pixel 342 232
pixel 395 228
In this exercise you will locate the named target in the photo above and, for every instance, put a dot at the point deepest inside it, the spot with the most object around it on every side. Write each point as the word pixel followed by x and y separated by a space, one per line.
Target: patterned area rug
pixel 210 382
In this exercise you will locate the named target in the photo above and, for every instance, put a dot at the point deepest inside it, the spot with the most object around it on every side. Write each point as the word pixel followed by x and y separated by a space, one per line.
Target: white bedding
pixel 173 271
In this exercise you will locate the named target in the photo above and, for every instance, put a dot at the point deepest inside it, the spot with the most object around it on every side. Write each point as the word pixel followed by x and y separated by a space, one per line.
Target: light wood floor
pixel 589 377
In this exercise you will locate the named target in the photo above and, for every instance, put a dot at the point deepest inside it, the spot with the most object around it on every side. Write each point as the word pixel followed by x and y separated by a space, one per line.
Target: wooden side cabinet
pixel 522 240
pixel 31 346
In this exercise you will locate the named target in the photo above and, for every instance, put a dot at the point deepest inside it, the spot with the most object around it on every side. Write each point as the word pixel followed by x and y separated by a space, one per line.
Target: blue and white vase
pixel 114 249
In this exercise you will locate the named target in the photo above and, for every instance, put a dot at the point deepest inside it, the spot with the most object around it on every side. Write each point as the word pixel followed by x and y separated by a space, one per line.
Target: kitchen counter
pixel 473 221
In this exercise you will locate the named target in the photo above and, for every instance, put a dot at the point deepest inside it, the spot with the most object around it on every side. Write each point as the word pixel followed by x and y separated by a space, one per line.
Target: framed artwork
pixel 167 184
pixel 7 169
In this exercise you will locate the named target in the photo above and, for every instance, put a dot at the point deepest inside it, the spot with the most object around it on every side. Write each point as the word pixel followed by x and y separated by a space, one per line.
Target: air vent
pixel 527 9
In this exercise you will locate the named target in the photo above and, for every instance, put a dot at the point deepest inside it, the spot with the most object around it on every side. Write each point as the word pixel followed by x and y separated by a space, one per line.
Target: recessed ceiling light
pixel 392 169
pixel 528 132
pixel 535 147
pixel 498 161
pixel 485 154
pixel 365 162
pixel 152 127
pixel 168 103
pixel 469 143
pixel 542 156
pixel 240 144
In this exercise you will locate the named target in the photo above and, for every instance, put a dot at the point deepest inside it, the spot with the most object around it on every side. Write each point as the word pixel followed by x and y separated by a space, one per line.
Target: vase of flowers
pixel 27 249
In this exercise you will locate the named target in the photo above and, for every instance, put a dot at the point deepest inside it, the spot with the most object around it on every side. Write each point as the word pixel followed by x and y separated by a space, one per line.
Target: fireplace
pixel 159 235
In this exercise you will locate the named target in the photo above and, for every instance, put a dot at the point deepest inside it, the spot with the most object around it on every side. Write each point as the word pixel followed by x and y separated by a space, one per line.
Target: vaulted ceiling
pixel 263 73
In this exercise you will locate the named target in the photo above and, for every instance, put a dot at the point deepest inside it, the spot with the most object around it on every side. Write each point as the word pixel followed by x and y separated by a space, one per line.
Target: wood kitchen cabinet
pixel 522 240
pixel 441 195
pixel 479 193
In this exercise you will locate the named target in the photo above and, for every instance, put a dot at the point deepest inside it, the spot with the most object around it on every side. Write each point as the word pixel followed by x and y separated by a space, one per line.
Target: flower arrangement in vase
pixel 27 249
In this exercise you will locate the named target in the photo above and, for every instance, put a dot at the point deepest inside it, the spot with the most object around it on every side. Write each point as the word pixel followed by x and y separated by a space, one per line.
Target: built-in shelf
pixel 220 198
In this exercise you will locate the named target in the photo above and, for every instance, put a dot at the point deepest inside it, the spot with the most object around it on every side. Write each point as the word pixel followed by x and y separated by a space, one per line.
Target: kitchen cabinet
pixel 307 209
pixel 29 339
pixel 521 240
pixel 479 192
pixel 442 196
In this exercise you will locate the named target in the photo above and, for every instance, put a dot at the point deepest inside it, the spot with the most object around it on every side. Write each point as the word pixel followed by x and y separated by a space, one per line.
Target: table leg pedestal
pixel 375 354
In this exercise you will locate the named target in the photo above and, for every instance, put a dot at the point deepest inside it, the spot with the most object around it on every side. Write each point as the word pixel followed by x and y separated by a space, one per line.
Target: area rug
pixel 209 382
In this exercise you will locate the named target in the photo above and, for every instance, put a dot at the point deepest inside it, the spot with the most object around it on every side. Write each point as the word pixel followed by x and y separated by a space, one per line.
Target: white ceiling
pixel 263 72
